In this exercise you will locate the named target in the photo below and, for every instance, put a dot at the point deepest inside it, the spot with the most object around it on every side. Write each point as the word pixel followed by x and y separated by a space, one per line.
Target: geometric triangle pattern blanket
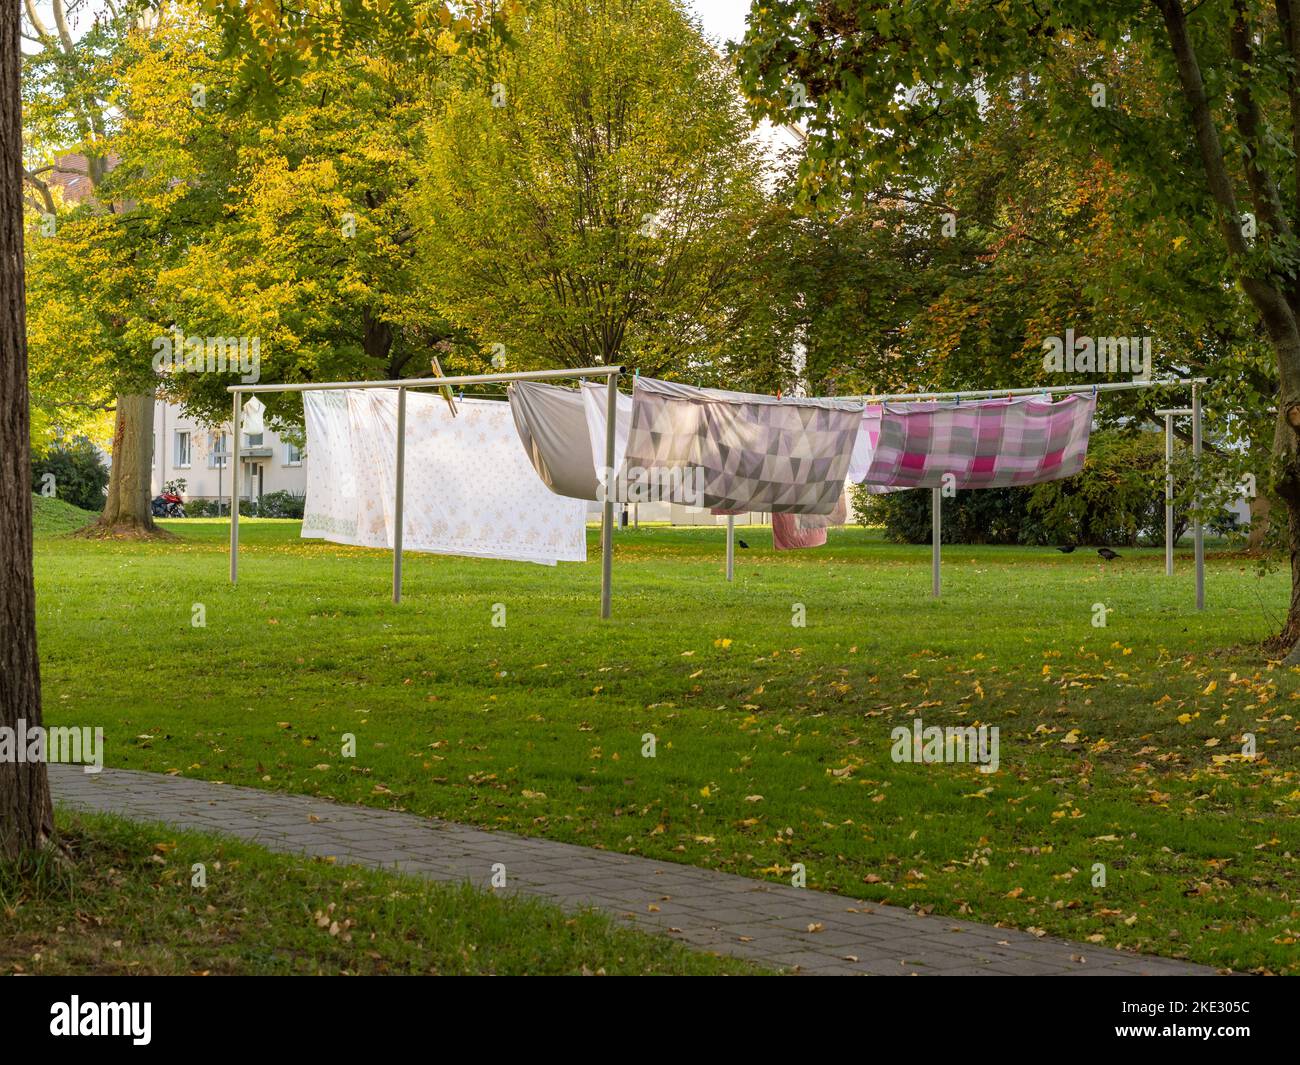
pixel 997 443
pixel 738 451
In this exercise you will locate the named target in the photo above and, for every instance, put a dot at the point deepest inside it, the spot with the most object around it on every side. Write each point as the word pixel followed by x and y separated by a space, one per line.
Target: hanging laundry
pixel 787 535
pixel 737 451
pixel 552 423
pixel 596 398
pixel 331 509
pixel 469 488
pixel 840 515
pixel 996 443
pixel 252 417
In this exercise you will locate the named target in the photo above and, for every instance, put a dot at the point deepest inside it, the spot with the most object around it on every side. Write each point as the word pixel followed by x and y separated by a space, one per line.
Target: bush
pixel 282 505
pixel 204 508
pixel 986 516
pixel 79 474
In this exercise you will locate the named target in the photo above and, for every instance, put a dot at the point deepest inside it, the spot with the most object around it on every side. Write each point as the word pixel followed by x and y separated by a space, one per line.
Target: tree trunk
pixel 1286 457
pixel 26 815
pixel 126 510
pixel 1290 634
pixel 1259 519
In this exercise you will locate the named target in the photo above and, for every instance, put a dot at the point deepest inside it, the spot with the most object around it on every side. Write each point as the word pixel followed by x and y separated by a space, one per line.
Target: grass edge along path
pixel 779 925
pixel 127 905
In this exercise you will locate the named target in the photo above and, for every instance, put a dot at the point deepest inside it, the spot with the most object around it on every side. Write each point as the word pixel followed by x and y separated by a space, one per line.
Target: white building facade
pixel 186 450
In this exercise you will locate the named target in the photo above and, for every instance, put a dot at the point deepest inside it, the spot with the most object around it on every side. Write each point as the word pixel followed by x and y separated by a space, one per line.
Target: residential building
pixel 185 449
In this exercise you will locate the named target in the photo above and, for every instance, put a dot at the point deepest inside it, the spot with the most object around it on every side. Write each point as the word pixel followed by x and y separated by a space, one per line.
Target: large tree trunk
pixel 1290 634
pixel 126 510
pixel 1286 456
pixel 1260 509
pixel 26 815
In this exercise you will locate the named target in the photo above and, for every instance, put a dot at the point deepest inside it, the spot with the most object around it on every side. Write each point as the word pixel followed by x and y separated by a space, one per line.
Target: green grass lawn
pixel 127 904
pixel 1120 746
pixel 51 516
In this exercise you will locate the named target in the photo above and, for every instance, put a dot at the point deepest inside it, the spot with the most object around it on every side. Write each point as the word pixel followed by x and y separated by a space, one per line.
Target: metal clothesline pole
pixel 1169 494
pixel 936 522
pixel 731 547
pixel 612 373
pixel 1198 528
pixel 1169 416
pixel 399 491
pixel 1042 390
pixel 438 382
pixel 607 517
pixel 234 490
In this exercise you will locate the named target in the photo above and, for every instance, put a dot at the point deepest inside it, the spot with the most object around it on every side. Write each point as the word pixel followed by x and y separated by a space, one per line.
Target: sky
pixel 724 20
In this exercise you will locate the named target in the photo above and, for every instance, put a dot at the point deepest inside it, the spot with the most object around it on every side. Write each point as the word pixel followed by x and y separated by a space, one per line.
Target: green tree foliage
pixel 597 200
pixel 269 45
pixel 282 226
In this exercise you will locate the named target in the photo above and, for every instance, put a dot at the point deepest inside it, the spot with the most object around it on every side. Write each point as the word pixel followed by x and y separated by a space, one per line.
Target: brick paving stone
pixel 705 909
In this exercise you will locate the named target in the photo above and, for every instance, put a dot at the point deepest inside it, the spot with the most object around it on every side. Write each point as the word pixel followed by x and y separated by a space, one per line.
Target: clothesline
pixel 402 387
pixel 1041 390
pixel 741 451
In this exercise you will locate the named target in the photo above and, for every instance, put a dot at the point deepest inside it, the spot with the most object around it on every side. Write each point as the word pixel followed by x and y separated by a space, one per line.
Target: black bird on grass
pixel 1066 549
pixel 1107 553
pixel 741 542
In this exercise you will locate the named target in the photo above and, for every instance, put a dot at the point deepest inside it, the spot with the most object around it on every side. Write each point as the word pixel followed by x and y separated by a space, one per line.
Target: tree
pixel 269 230
pixel 297 238
pixel 26 813
pixel 595 201
pixel 70 83
pixel 1198 108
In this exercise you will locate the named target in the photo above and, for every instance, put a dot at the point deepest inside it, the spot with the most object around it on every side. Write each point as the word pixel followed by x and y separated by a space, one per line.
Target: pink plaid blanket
pixel 997 443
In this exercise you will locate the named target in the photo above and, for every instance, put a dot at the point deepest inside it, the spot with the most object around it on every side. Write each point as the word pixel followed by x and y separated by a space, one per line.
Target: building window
pixel 292 454
pixel 252 440
pixel 217 454
pixel 182 449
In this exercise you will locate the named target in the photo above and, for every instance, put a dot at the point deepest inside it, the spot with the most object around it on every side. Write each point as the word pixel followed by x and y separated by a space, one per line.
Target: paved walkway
pixel 767 923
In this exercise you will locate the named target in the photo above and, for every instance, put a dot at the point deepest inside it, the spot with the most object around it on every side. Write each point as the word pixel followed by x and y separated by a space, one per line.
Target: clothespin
pixel 778 395
pixel 445 389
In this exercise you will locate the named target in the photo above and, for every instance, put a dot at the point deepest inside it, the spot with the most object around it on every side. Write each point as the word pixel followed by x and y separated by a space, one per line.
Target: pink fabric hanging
pixel 995 443
pixel 786 534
